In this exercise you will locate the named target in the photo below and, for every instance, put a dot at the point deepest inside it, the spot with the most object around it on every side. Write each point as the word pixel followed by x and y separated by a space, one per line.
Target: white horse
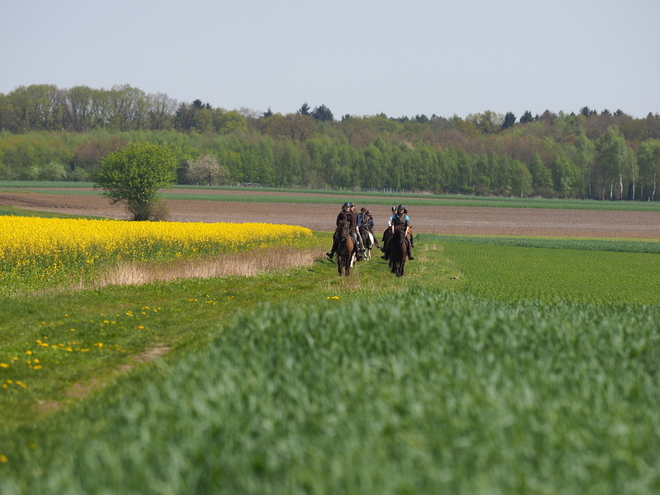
pixel 369 242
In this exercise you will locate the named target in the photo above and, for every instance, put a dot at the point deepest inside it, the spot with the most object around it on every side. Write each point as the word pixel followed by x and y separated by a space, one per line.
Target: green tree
pixel 611 160
pixel 584 156
pixel 227 122
pixel 526 117
pixel 323 114
pixel 133 174
pixel 488 122
pixel 648 159
pixel 293 125
pixel 521 179
pixel 509 120
pixel 541 175
pixel 203 120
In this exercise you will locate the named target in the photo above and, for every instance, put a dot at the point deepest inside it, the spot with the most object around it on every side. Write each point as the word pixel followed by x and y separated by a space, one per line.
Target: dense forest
pixel 49 133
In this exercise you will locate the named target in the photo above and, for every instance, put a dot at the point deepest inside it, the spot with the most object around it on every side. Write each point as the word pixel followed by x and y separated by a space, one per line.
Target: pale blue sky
pixel 361 57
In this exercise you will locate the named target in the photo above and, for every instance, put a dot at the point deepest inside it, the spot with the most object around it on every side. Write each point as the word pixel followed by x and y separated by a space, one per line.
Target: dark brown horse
pixel 345 256
pixel 398 250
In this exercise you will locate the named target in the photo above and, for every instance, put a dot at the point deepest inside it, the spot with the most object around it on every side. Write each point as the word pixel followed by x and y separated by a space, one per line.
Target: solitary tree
pixel 133 174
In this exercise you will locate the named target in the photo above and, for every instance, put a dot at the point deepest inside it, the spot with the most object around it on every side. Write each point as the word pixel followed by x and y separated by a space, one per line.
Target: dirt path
pixel 456 220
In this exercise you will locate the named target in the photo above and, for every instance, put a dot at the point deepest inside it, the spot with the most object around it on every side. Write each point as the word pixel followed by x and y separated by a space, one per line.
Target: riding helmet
pixel 400 207
pixel 347 204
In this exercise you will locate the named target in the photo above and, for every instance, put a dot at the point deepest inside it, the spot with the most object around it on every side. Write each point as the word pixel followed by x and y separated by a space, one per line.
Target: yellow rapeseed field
pixel 44 247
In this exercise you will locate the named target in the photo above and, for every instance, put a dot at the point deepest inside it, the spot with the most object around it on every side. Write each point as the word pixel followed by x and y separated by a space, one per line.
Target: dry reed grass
pixel 245 263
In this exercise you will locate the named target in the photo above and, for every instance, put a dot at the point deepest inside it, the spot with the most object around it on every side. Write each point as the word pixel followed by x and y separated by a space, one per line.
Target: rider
pixel 400 218
pixel 357 238
pixel 369 225
pixel 361 217
pixel 388 231
pixel 362 224
pixel 348 216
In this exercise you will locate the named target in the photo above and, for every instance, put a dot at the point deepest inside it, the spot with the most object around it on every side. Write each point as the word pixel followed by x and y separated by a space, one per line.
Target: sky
pixel 357 57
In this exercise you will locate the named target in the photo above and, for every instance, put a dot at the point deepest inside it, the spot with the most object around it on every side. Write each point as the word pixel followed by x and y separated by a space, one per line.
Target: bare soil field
pixel 426 219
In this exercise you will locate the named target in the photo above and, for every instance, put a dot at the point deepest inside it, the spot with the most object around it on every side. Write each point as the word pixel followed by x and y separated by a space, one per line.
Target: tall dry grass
pixel 245 263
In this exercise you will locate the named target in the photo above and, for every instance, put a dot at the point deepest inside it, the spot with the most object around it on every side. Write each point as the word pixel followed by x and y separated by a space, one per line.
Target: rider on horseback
pixel 357 238
pixel 348 215
pixel 400 218
pixel 369 225
pixel 361 217
pixel 365 224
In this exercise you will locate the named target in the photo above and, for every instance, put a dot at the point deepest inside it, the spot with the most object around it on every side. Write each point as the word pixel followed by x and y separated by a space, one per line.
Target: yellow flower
pixel 4 365
pixel 3 458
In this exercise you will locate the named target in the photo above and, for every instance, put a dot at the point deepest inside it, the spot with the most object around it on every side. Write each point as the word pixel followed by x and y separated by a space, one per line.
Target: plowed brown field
pixel 429 219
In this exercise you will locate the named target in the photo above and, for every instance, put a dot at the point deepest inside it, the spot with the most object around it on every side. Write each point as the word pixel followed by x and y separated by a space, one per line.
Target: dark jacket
pixel 350 217
pixel 354 221
pixel 401 219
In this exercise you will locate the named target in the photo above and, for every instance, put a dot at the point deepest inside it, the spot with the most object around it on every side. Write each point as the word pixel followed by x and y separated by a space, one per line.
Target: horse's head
pixel 400 233
pixel 343 230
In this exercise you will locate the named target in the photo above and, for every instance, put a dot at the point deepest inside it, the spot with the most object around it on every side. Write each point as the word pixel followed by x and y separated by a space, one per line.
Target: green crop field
pixel 496 365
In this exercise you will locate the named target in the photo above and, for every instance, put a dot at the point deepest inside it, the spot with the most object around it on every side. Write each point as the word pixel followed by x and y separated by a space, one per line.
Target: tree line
pixel 48 133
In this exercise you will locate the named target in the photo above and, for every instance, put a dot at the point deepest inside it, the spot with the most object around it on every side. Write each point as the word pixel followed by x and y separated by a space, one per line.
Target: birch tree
pixel 648 160
pixel 611 158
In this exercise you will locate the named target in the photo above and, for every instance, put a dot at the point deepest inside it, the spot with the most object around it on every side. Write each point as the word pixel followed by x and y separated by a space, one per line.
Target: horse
pixel 367 241
pixel 398 250
pixel 387 233
pixel 345 247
